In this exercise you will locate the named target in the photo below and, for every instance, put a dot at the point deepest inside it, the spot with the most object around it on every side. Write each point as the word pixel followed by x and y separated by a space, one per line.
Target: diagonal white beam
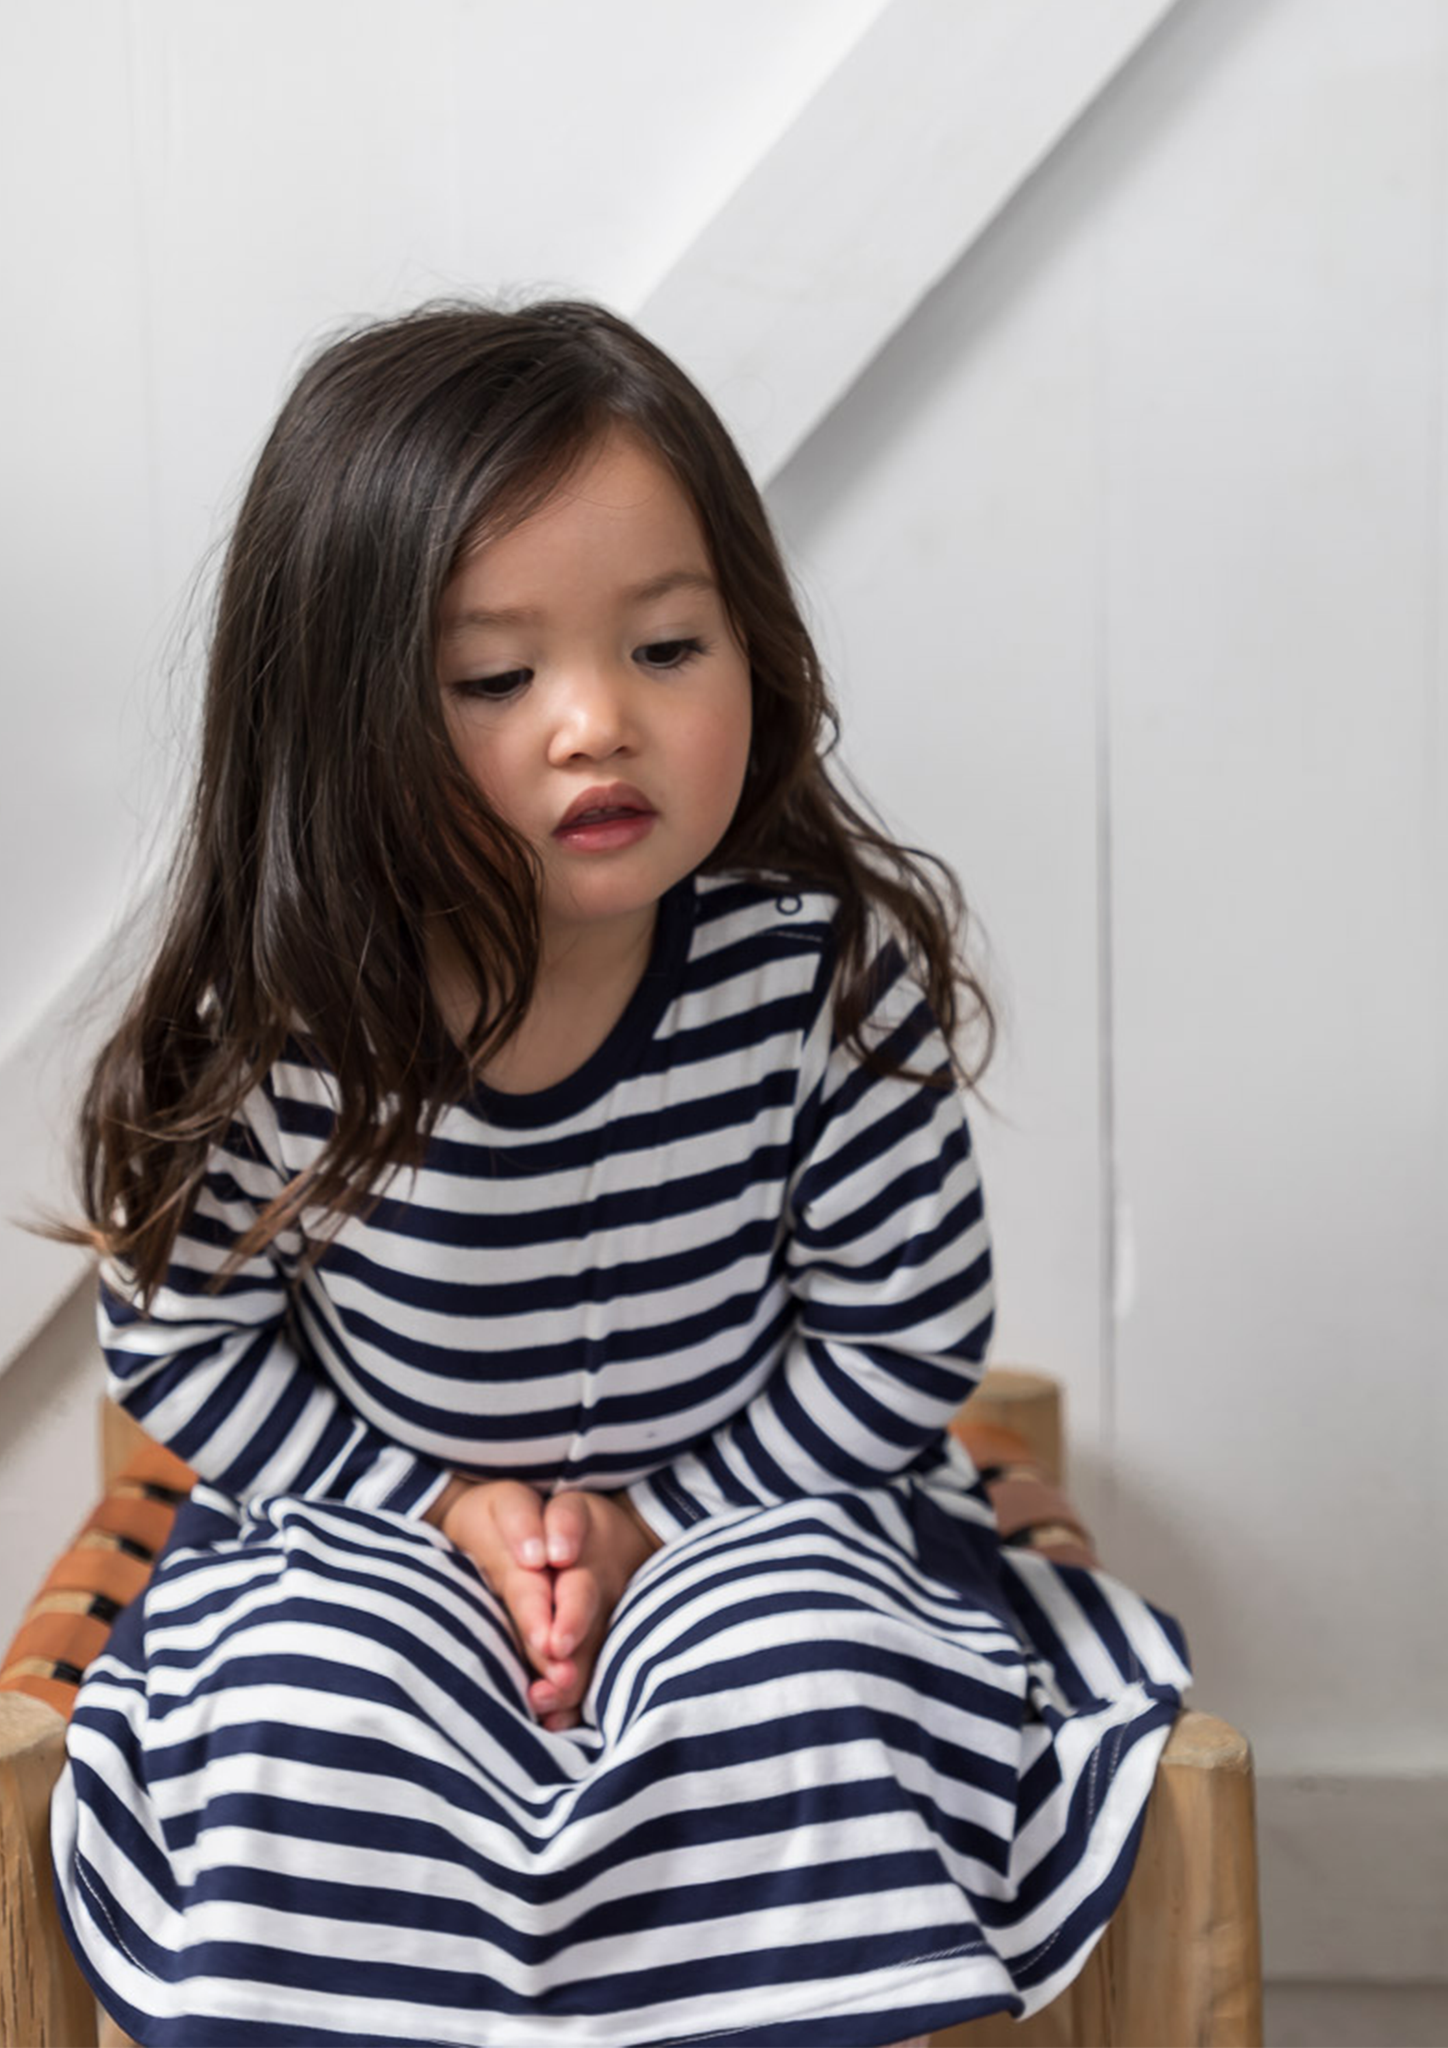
pixel 909 149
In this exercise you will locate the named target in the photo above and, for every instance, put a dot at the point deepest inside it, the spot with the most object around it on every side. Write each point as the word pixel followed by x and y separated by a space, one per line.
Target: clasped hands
pixel 559 1565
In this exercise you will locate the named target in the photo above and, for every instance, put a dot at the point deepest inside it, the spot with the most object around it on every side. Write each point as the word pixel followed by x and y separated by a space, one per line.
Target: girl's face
pixel 596 692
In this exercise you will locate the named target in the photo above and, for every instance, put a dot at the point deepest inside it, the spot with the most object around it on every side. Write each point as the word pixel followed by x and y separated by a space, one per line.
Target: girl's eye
pixel 493 688
pixel 669 654
pixel 665 657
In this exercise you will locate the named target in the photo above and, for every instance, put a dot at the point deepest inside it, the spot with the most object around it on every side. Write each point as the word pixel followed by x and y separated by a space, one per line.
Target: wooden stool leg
pixel 44 2000
pixel 1183 1958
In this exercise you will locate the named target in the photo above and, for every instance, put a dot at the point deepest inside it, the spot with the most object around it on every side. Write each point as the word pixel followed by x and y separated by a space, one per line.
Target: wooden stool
pixel 1178 1967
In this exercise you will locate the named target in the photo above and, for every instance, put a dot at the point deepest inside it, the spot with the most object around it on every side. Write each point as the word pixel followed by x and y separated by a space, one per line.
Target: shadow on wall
pixel 1136 1517
pixel 48 1456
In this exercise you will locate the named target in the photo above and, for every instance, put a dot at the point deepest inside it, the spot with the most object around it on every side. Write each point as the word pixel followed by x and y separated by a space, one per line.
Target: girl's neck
pixel 586 980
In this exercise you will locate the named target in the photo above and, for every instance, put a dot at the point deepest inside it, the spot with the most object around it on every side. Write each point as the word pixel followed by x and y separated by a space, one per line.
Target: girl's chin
pixel 615 920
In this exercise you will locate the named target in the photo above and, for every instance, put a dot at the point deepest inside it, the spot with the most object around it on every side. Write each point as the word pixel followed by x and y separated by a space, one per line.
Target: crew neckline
pixel 673 932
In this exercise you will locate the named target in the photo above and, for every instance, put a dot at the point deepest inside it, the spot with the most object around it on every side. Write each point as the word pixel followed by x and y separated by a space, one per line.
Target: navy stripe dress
pixel 847 1769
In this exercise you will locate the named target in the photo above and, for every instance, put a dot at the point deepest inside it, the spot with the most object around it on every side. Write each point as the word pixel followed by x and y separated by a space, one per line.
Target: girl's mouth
pixel 602 830
pixel 598 820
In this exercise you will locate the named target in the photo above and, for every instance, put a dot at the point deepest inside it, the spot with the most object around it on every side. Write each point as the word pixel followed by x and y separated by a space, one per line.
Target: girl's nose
pixel 594 718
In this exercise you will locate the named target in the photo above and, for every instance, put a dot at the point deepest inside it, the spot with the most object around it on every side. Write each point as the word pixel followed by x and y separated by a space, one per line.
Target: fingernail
pixel 532 1551
pixel 564 1646
pixel 538 1640
pixel 557 1551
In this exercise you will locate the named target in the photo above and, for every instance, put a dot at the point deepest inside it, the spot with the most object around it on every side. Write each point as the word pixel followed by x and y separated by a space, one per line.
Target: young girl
pixel 536 1199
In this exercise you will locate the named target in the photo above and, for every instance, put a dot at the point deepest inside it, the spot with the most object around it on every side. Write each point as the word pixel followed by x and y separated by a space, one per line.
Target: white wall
pixel 1126 551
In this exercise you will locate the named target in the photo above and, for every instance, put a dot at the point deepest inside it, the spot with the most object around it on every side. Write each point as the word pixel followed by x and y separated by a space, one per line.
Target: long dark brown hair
pixel 332 821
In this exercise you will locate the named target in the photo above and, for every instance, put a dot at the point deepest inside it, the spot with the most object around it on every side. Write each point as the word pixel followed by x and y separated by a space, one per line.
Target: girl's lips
pixel 605 831
pixel 606 799
pixel 609 814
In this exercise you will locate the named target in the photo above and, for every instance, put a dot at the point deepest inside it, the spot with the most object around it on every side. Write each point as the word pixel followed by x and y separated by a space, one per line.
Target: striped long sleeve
pixel 217 1372
pixel 888 1264
pixel 724 1262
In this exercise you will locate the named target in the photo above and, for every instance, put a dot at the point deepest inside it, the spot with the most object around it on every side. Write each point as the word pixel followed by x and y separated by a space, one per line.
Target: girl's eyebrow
pixel 637 593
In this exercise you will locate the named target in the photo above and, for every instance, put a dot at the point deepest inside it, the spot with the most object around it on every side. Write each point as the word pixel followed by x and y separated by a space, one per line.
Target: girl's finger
pixel 577 1604
pixel 518 1513
pixel 560 1687
pixel 528 1597
pixel 565 1526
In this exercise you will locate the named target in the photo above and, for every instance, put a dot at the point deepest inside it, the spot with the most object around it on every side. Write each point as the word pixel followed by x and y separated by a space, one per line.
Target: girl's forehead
pixel 618 507
pixel 615 472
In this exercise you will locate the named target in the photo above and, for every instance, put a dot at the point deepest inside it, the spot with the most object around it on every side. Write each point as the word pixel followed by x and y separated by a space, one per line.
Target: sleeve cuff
pixel 664 1504
pixel 413 1491
pixel 652 1510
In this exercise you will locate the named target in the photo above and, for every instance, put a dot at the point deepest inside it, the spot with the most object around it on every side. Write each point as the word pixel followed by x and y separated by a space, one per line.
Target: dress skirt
pixel 848 1770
